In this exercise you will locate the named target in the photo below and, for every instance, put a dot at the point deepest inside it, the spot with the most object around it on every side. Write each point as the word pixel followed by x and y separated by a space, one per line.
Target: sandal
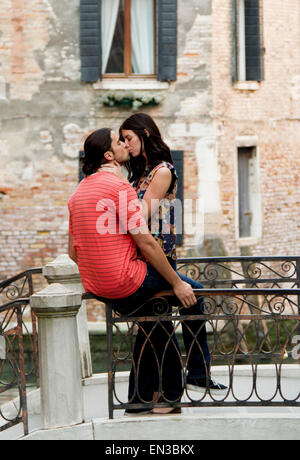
pixel 164 410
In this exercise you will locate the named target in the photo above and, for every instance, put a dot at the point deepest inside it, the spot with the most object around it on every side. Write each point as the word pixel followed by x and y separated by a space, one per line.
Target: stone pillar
pixel 64 271
pixel 56 308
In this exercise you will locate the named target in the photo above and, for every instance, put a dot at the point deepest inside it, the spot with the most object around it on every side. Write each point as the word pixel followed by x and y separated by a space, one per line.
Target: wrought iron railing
pixel 243 271
pixel 15 372
pixel 251 308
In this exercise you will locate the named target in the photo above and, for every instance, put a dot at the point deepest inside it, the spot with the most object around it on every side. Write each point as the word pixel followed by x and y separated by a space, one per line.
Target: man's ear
pixel 109 156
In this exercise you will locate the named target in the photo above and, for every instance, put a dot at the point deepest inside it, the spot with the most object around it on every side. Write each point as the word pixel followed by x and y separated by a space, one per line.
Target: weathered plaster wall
pixel 40 102
pixel 272 114
pixel 46 113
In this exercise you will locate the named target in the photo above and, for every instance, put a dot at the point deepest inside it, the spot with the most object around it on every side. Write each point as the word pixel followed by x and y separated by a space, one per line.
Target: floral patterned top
pixel 162 223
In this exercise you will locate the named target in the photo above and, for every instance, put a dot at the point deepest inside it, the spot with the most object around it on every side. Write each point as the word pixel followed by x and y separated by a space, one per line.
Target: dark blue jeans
pixel 157 363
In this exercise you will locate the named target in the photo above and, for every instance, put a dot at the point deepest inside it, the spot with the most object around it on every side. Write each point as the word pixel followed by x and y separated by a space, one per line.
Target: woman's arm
pixel 156 192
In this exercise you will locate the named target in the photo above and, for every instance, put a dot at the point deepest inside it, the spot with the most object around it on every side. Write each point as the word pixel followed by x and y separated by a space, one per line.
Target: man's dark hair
pixel 95 147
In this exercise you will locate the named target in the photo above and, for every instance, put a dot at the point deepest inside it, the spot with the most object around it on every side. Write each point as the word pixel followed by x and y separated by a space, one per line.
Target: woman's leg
pixel 157 364
pixel 194 334
pixel 157 361
pixel 195 338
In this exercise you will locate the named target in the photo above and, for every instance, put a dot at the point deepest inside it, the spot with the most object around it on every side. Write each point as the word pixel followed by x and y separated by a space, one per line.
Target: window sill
pixel 130 84
pixel 246 85
pixel 248 241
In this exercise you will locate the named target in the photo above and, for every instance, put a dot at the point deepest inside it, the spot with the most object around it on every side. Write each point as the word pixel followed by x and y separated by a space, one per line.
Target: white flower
pixel 136 104
pixel 119 97
pixel 146 99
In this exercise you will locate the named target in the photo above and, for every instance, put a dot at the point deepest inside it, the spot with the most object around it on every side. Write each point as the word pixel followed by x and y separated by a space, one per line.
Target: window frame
pixel 128 47
pixel 245 213
pixel 255 197
pixel 240 58
pixel 166 46
pixel 241 42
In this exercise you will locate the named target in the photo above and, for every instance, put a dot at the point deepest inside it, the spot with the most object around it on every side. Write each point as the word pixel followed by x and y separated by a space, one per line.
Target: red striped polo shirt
pixel 103 210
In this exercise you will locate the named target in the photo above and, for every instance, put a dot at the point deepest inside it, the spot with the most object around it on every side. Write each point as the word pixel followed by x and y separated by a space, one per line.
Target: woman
pixel 153 175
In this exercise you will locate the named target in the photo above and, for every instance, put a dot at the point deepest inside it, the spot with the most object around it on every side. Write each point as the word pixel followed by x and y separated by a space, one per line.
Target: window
pixel 248 193
pixel 245 215
pixel 128 38
pixel 247 39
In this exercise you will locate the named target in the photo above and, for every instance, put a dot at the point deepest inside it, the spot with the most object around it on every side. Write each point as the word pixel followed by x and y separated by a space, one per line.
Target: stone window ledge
pixel 246 85
pixel 248 241
pixel 130 84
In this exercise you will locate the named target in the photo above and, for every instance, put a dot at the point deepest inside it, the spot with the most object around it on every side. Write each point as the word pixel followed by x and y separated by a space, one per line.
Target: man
pixel 92 249
pixel 106 228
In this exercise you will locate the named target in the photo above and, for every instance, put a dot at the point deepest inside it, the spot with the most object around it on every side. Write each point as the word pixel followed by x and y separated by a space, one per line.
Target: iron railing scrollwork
pixel 243 271
pixel 253 344
pixel 12 361
pixel 16 323
pixel 251 308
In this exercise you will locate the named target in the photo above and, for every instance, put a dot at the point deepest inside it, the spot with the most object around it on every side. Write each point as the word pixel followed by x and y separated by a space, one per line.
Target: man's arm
pixel 72 252
pixel 155 255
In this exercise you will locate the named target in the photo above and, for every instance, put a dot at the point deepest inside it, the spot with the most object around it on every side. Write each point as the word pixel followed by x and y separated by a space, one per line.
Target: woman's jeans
pixel 157 362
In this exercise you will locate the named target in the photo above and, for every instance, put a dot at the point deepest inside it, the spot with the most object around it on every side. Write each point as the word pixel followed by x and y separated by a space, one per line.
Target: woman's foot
pixel 163 410
pixel 166 410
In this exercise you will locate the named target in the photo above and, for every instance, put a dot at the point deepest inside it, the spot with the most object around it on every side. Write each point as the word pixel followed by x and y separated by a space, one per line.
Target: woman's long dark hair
pixel 155 148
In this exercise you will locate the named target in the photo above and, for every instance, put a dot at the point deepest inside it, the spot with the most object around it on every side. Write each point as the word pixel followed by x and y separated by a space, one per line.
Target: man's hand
pixel 185 294
pixel 155 255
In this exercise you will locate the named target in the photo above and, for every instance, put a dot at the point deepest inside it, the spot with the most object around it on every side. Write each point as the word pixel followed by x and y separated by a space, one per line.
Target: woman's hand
pixel 114 168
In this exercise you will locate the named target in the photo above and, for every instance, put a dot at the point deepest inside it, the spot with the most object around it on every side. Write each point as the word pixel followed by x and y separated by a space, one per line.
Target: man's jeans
pixel 157 362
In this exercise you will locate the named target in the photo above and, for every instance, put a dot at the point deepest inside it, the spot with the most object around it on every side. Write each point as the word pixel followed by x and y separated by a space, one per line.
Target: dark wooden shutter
pixel 254 50
pixel 166 40
pixel 90 40
pixel 177 156
pixel 254 41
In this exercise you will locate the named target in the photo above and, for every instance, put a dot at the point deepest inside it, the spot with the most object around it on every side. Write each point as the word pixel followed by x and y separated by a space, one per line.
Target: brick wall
pixel 272 112
pixel 39 143
pixel 46 113
pixel 34 223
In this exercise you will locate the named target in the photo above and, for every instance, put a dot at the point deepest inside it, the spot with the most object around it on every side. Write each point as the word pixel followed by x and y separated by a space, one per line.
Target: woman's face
pixel 132 141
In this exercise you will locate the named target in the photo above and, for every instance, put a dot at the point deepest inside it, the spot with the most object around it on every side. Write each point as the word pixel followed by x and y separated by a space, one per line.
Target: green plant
pixel 129 99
